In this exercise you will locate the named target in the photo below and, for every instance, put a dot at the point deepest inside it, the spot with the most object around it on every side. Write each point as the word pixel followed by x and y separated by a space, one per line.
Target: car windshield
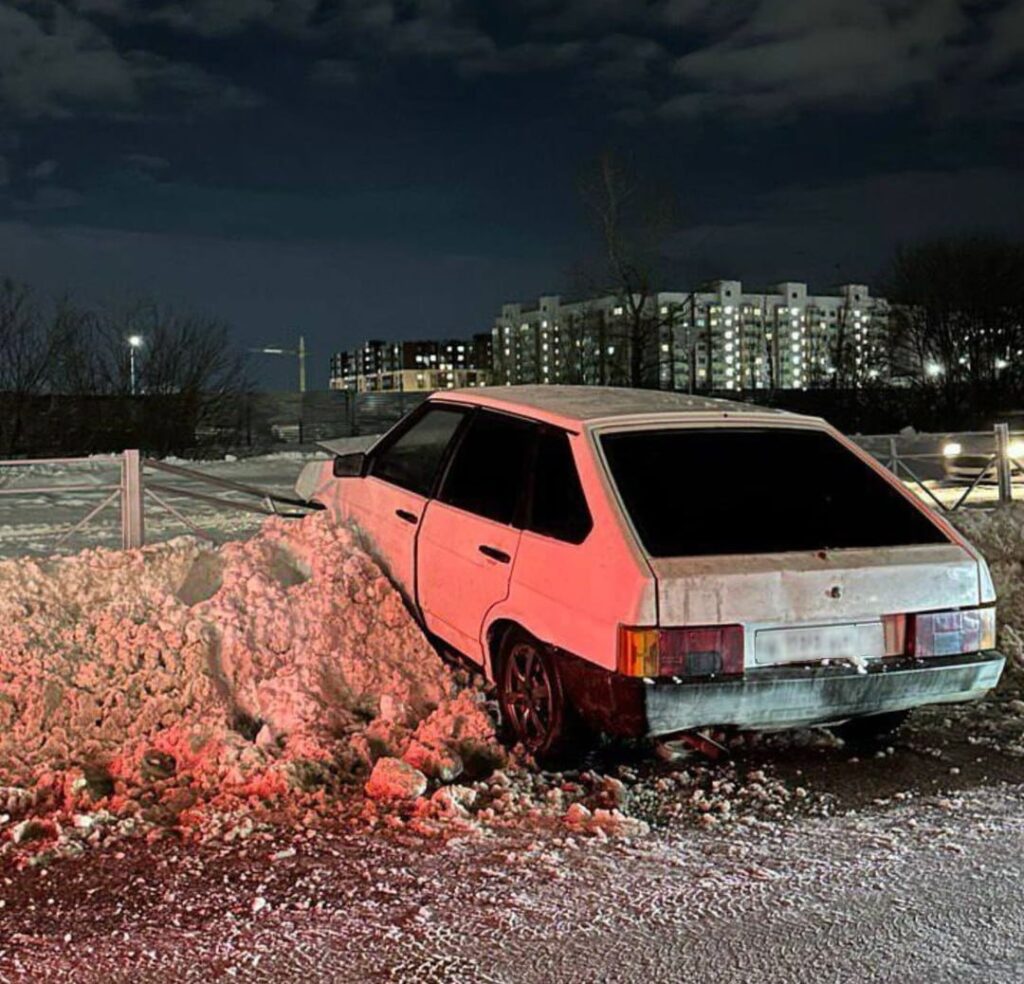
pixel 692 492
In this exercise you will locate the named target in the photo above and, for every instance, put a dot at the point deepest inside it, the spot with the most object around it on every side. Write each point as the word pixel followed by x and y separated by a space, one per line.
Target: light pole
pixel 300 352
pixel 134 342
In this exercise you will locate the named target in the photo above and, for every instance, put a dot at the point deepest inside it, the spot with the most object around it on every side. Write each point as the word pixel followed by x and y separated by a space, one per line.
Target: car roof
pixel 573 406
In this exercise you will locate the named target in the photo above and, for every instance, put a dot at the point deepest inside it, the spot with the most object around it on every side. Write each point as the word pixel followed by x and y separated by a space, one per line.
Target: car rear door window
pixel 411 461
pixel 488 472
pixel 558 507
pixel 696 492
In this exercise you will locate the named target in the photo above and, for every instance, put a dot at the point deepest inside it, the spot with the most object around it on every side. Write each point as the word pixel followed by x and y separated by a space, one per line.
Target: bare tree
pixel 189 375
pixel 27 348
pixel 633 218
pixel 960 319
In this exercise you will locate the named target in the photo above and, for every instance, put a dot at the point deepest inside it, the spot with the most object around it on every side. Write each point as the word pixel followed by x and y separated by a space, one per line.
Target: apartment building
pixel 719 337
pixel 379 366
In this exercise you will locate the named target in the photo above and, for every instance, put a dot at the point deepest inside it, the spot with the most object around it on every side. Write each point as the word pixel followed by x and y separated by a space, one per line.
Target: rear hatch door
pixel 806 607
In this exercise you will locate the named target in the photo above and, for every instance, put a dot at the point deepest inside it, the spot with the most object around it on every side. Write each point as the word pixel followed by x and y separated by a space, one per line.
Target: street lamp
pixel 300 352
pixel 933 369
pixel 134 342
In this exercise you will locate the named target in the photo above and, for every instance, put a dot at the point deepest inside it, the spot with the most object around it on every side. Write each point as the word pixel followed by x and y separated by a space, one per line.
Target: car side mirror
pixel 349 465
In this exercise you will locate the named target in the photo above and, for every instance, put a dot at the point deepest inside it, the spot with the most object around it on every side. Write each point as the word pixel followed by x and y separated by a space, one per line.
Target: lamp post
pixel 300 352
pixel 134 342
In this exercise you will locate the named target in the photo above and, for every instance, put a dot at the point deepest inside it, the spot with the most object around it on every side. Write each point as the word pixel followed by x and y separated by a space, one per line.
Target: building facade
pixel 716 338
pixel 378 366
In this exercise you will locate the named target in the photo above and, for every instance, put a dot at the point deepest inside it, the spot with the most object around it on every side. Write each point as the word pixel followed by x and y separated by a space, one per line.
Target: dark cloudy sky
pixel 357 168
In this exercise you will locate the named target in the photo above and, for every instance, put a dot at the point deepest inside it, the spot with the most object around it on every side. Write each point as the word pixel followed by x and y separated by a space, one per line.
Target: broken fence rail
pixel 135 488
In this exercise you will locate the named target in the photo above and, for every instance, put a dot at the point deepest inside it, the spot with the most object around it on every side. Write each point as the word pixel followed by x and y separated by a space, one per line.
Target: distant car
pixel 646 563
pixel 964 458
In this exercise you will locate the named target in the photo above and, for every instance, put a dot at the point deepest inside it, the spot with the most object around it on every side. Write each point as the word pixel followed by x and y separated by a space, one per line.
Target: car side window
pixel 558 507
pixel 412 460
pixel 488 473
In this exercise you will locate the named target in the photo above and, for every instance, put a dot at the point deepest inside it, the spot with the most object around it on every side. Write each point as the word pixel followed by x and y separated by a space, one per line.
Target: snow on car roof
pixel 581 404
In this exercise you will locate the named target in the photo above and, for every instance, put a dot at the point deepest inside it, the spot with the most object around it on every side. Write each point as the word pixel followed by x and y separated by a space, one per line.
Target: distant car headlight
pixel 1015 449
pixel 952 448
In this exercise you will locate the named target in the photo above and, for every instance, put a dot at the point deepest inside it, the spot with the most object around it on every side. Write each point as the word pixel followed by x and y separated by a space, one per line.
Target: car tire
pixel 534 710
pixel 867 731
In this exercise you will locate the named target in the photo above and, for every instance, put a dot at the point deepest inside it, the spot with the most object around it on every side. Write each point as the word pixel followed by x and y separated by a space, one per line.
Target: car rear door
pixel 470 533
pixel 387 503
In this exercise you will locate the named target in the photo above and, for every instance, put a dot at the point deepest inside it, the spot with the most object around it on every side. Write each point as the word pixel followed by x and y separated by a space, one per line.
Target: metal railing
pixel 135 488
pixel 990 460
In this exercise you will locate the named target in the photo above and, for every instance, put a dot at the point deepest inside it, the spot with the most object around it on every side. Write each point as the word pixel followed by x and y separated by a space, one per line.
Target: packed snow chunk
pixel 393 779
pixel 285 660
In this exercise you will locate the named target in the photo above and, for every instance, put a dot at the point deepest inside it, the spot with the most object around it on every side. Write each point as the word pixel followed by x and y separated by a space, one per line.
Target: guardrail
pixel 135 488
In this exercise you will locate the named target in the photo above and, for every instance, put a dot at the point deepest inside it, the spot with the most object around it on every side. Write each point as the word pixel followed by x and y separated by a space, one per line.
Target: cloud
pixel 58 63
pixel 833 52
pixel 205 18
pixel 190 86
pixel 43 171
pixel 334 72
pixel 49 198
pixel 530 56
pixel 148 162
pixel 841 231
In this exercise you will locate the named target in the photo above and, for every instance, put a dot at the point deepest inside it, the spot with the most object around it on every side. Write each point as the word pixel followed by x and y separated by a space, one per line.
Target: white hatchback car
pixel 647 563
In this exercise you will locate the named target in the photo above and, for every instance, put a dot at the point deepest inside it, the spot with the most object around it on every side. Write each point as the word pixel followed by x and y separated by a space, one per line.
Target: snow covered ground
pixel 928 891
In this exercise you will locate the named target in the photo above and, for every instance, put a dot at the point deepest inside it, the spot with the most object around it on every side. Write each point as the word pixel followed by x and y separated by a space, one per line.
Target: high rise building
pixel 715 338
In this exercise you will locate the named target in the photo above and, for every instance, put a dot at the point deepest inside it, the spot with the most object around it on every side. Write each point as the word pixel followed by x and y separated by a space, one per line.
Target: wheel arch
pixel 493 639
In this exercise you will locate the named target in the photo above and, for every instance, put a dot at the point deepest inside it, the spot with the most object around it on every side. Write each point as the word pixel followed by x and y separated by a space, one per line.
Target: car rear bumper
pixel 794 697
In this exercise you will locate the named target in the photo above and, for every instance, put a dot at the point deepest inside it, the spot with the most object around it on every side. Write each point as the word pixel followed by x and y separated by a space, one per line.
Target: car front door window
pixel 411 461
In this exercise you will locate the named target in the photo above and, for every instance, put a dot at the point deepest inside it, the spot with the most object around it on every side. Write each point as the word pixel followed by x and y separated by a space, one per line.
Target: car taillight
pixel 969 630
pixel 701 651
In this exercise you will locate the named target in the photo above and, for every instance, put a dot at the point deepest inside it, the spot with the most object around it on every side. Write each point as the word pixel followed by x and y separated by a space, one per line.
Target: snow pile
pixel 222 692
pixel 999 535
pixel 286 661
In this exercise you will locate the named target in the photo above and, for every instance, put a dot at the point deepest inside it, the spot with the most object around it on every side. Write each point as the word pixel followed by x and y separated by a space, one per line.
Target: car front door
pixel 387 503
pixel 470 533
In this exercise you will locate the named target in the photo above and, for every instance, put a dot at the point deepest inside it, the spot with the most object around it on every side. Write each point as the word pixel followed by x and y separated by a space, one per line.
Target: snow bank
pixel 284 661
pixel 999 535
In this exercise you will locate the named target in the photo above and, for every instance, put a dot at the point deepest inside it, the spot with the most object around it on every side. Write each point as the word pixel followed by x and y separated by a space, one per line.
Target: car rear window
pixel 750 491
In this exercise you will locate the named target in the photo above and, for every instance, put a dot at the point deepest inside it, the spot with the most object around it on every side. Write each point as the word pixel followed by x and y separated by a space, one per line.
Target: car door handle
pixel 406 515
pixel 495 554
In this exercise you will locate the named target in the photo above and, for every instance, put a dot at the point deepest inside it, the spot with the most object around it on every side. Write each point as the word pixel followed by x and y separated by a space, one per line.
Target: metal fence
pixel 142 481
pixel 976 466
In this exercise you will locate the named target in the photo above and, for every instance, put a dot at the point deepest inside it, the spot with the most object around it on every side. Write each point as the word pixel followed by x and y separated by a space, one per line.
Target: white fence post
pixel 1003 463
pixel 132 530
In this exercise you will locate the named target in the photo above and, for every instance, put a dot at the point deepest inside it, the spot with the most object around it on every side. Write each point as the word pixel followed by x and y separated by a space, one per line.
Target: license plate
pixel 813 643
